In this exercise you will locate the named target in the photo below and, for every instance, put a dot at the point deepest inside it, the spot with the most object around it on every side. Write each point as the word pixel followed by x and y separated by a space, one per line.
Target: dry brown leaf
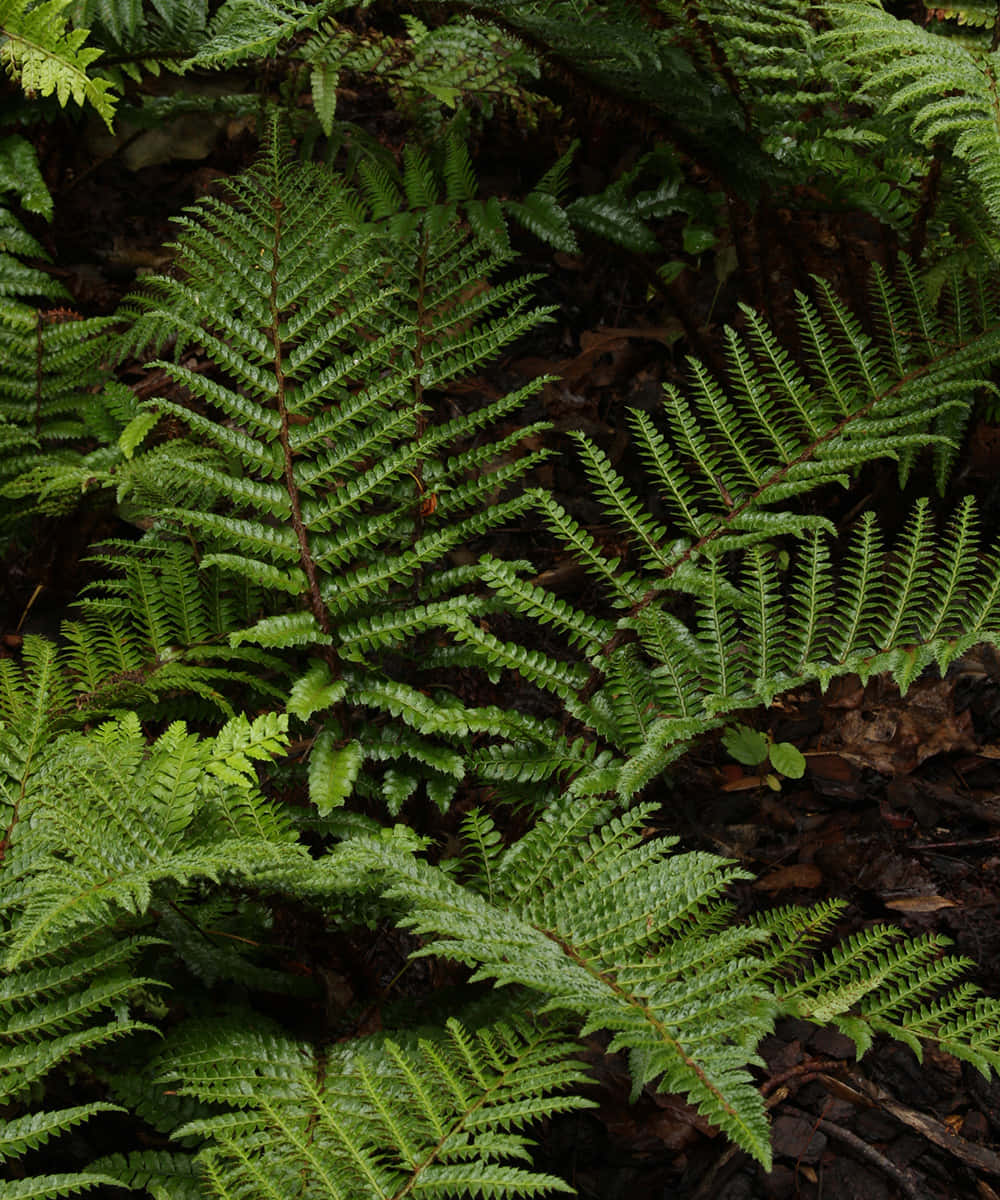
pixel 920 904
pixel 894 734
pixel 798 875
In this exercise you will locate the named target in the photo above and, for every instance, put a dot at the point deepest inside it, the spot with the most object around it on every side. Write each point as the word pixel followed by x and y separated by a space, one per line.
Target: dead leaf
pixel 894 734
pixel 920 904
pixel 798 875
pixel 743 783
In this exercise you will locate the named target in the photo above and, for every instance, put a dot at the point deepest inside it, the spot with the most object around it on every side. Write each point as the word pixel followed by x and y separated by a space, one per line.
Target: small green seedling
pixel 752 748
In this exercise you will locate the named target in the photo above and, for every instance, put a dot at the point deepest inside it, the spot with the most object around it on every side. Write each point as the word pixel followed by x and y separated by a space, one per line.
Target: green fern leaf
pixel 614 897
pixel 48 1187
pixel 48 58
pixel 332 772
pixel 26 1133
pixel 441 1114
pixel 323 82
pixel 541 214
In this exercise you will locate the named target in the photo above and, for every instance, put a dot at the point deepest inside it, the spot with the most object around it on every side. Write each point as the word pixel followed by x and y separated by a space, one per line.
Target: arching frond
pixel 946 84
pixel 327 334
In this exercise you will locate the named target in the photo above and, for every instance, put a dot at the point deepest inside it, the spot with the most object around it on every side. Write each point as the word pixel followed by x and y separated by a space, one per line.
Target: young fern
pixel 104 823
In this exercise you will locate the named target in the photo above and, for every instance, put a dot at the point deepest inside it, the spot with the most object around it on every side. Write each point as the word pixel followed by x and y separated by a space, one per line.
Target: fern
pixel 948 84
pixel 309 396
pixel 635 941
pixel 256 29
pixel 81 865
pixel 781 433
pixel 80 879
pixel 658 682
pixel 55 399
pixel 461 63
pixel 724 473
pixel 46 57
pixel 134 35
pixel 51 366
pixel 159 632
pixel 304 599
pixel 441 1114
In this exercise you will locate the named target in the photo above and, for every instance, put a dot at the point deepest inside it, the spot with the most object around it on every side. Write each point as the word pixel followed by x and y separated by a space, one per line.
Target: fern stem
pixel 301 533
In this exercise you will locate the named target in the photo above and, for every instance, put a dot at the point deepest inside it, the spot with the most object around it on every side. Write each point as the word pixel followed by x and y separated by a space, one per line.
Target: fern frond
pixel 782 435
pixel 325 345
pixel 40 51
pixel 144 37
pixel 51 1187
pixel 249 29
pixel 20 174
pixel 947 84
pixel 101 824
pixel 26 1133
pixel 926 601
pixel 49 369
pixel 173 1176
pixel 694 1031
pixel 635 941
pixel 62 1006
pixel 441 1113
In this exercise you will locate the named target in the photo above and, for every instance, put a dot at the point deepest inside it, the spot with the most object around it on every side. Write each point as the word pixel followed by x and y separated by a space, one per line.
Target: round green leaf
pixel 788 761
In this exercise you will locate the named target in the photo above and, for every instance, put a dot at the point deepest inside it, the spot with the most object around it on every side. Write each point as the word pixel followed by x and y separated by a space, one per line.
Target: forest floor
pixel 898 812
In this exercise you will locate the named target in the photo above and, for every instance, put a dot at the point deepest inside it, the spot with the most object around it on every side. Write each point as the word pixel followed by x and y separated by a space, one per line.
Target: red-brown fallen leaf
pixel 743 783
pixel 920 904
pixel 798 875
pixel 832 767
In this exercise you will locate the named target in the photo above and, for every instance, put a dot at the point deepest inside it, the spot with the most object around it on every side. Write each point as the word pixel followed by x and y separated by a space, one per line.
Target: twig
pixel 980 1158
pixel 903 1177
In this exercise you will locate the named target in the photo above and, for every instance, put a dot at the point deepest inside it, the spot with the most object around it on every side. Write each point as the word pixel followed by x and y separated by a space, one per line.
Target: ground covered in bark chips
pixel 899 807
